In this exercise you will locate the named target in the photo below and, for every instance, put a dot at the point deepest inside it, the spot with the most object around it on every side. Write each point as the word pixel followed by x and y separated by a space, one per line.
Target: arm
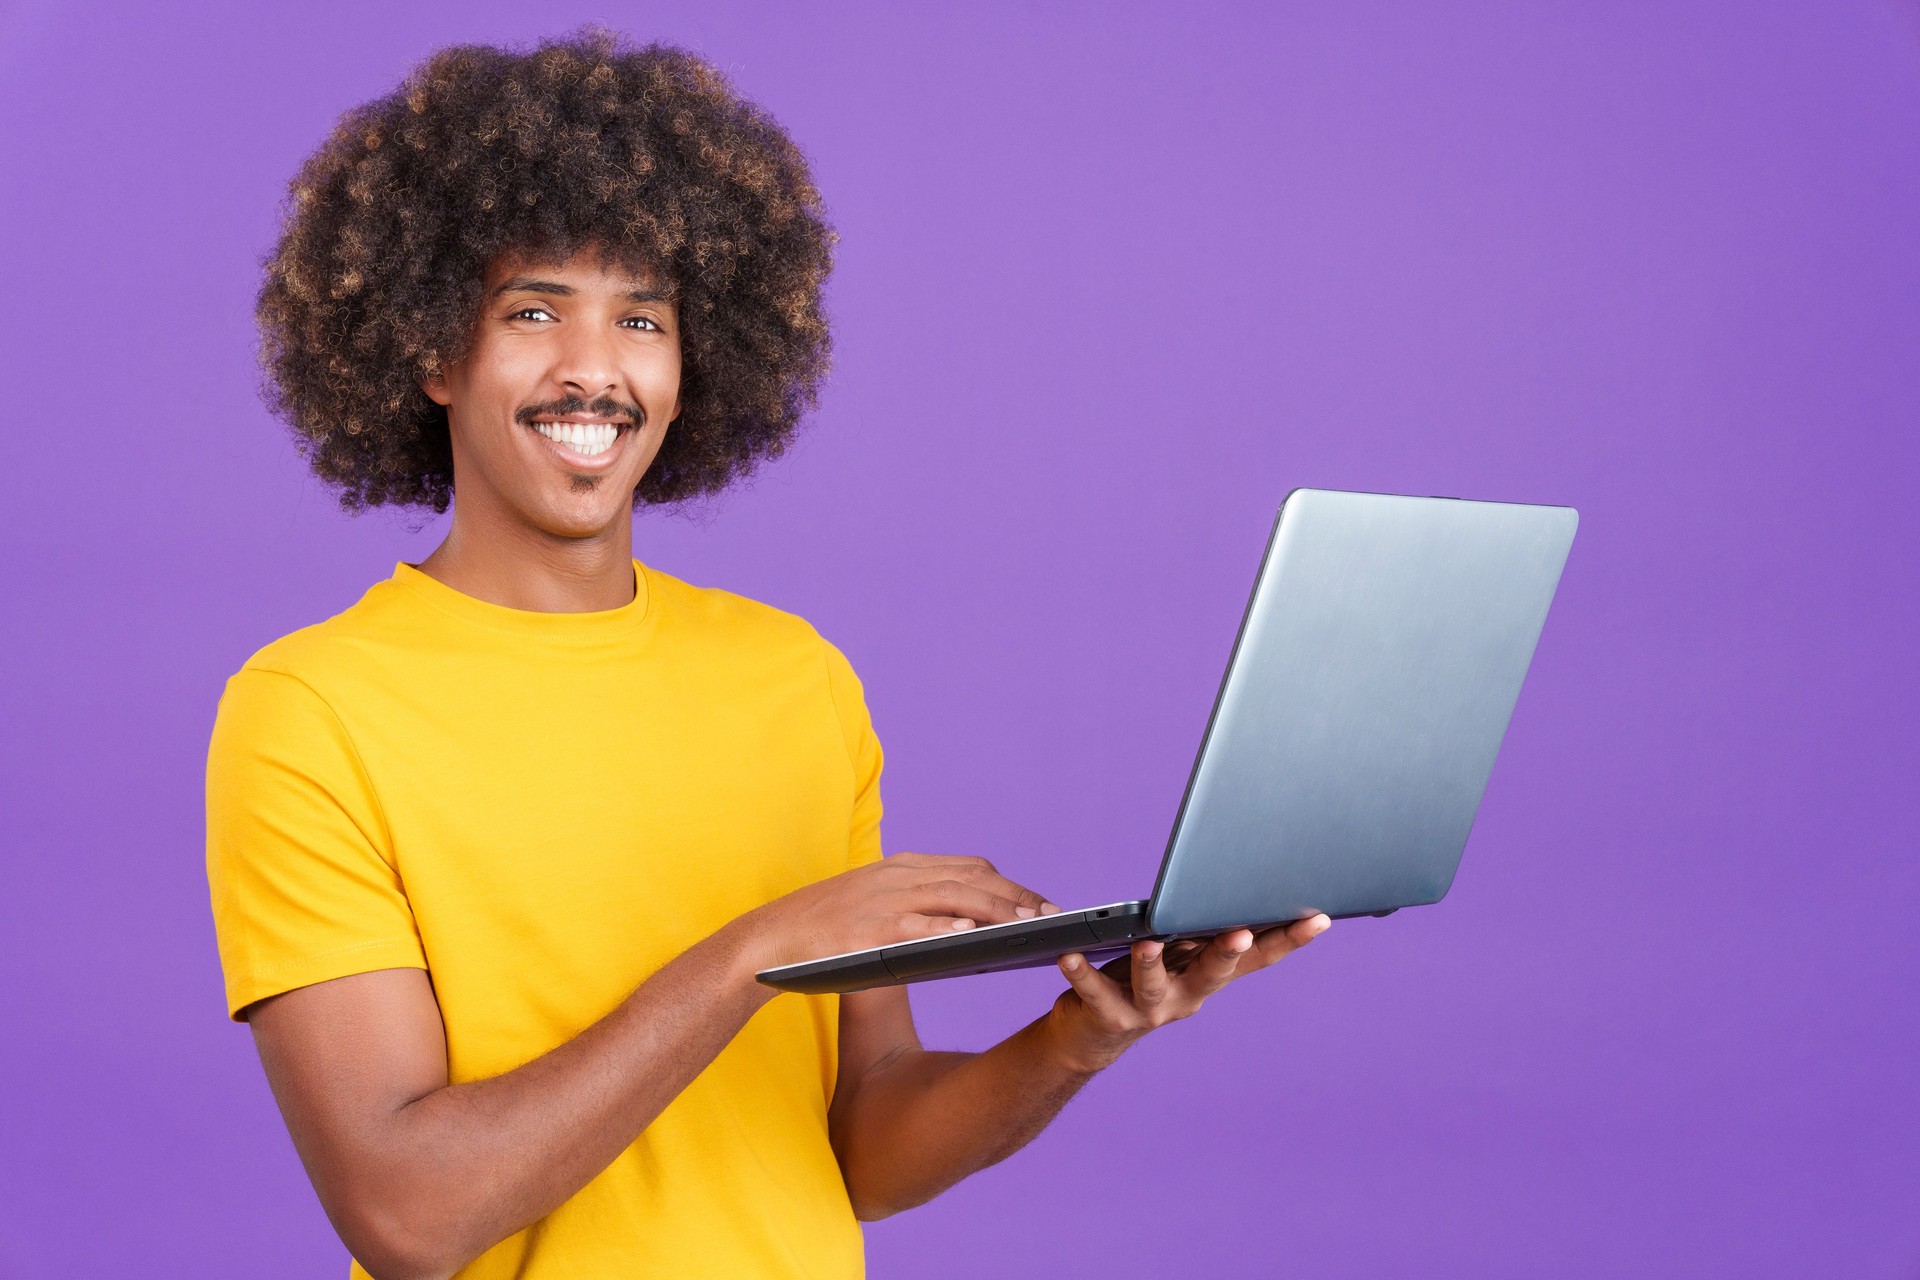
pixel 419 1175
pixel 908 1123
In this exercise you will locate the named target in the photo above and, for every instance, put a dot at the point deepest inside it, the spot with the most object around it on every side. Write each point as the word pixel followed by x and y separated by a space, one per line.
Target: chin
pixel 561 520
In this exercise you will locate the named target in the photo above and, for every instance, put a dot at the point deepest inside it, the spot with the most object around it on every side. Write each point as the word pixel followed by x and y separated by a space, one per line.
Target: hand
pixel 1105 1010
pixel 898 899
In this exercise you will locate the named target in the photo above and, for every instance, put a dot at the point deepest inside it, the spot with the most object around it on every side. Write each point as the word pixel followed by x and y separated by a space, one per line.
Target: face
pixel 564 397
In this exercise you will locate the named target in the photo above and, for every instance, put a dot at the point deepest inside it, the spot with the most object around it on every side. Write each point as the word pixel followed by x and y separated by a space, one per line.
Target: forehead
pixel 588 271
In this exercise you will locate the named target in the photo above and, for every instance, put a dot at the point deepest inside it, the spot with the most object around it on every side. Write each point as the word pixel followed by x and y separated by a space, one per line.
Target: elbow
pixel 390 1246
pixel 868 1209
pixel 867 1206
pixel 870 1204
pixel 871 1211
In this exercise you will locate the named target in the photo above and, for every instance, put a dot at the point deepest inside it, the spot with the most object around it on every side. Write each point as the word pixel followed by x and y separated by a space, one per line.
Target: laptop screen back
pixel 1376 669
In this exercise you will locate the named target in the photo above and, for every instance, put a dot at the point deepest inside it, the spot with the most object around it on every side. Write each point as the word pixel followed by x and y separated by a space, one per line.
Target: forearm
pixel 466 1165
pixel 420 1175
pixel 926 1120
pixel 914 1126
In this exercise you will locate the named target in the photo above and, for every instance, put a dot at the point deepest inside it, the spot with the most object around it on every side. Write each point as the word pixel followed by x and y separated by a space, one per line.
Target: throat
pixel 518 567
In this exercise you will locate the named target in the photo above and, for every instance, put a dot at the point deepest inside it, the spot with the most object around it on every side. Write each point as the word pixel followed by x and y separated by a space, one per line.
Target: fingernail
pixel 1070 962
pixel 1025 913
pixel 1048 909
pixel 1319 926
pixel 963 924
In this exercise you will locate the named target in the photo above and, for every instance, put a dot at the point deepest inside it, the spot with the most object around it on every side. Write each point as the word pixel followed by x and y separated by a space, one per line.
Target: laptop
pixel 1376 668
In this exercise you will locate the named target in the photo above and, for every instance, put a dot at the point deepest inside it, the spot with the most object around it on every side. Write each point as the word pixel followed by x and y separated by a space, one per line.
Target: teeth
pixel 584 438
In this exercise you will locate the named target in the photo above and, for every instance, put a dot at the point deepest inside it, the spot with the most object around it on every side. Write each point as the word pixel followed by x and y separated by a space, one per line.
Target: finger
pixel 955 898
pixel 1149 977
pixel 915 924
pixel 1179 954
pixel 1305 931
pixel 979 872
pixel 1026 902
pixel 1101 994
pixel 1274 944
pixel 1214 967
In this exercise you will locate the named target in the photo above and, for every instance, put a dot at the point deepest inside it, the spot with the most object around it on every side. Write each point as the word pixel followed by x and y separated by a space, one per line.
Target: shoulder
pixel 283 707
pixel 753 634
pixel 729 618
pixel 314 654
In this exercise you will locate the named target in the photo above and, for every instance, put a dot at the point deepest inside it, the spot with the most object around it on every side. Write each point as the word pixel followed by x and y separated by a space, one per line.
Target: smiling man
pixel 496 851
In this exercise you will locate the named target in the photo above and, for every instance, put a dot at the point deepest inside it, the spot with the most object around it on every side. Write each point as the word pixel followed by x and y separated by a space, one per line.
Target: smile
pixel 582 439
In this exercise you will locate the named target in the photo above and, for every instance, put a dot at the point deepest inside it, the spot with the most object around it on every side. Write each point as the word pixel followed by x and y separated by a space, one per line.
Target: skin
pixel 420 1175
pixel 529 531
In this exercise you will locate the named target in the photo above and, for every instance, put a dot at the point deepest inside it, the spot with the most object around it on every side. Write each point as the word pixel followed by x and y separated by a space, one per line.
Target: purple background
pixel 1111 282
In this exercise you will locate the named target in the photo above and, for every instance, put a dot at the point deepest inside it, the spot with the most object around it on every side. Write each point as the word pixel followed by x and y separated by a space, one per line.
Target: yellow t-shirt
pixel 542 809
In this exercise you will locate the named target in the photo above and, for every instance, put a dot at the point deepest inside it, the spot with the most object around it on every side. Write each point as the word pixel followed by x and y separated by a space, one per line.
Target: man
pixel 496 852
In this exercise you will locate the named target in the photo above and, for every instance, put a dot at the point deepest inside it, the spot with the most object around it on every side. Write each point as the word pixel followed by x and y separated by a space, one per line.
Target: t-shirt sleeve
pixel 298 856
pixel 863 752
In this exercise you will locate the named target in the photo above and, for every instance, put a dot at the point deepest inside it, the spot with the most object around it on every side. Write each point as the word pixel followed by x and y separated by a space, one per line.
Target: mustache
pixel 604 407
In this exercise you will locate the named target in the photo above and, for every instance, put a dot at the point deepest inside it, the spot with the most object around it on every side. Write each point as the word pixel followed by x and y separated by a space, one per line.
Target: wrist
pixel 741 954
pixel 1069 1050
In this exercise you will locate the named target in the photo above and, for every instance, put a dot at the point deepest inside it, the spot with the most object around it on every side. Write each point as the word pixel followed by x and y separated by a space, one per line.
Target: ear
pixel 435 385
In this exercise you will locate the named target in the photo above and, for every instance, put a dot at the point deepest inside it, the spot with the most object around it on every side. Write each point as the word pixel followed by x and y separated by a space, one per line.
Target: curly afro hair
pixel 646 154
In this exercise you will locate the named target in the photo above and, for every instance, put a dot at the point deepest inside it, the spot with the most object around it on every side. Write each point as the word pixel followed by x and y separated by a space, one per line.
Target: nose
pixel 585 362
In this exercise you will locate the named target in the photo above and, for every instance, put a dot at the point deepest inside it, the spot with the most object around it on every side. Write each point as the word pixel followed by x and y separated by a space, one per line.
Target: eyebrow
pixel 527 284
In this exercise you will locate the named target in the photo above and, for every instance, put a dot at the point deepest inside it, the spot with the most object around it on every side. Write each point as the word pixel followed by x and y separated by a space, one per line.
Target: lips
pixel 588 439
pixel 582 444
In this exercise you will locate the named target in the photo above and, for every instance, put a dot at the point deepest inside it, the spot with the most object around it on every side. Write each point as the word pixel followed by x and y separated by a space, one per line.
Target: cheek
pixel 513 373
pixel 658 379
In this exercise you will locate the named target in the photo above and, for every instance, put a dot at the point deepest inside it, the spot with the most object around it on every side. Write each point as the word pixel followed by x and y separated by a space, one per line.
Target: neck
pixel 519 567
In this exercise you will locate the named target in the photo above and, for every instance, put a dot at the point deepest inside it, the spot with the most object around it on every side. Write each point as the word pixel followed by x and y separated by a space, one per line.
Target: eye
pixel 526 312
pixel 649 321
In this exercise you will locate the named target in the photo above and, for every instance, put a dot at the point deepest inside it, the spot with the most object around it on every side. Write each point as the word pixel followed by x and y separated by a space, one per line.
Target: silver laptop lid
pixel 1375 671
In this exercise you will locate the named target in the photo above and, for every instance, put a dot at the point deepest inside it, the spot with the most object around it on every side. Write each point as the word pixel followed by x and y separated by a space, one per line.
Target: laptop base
pixel 1021 944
